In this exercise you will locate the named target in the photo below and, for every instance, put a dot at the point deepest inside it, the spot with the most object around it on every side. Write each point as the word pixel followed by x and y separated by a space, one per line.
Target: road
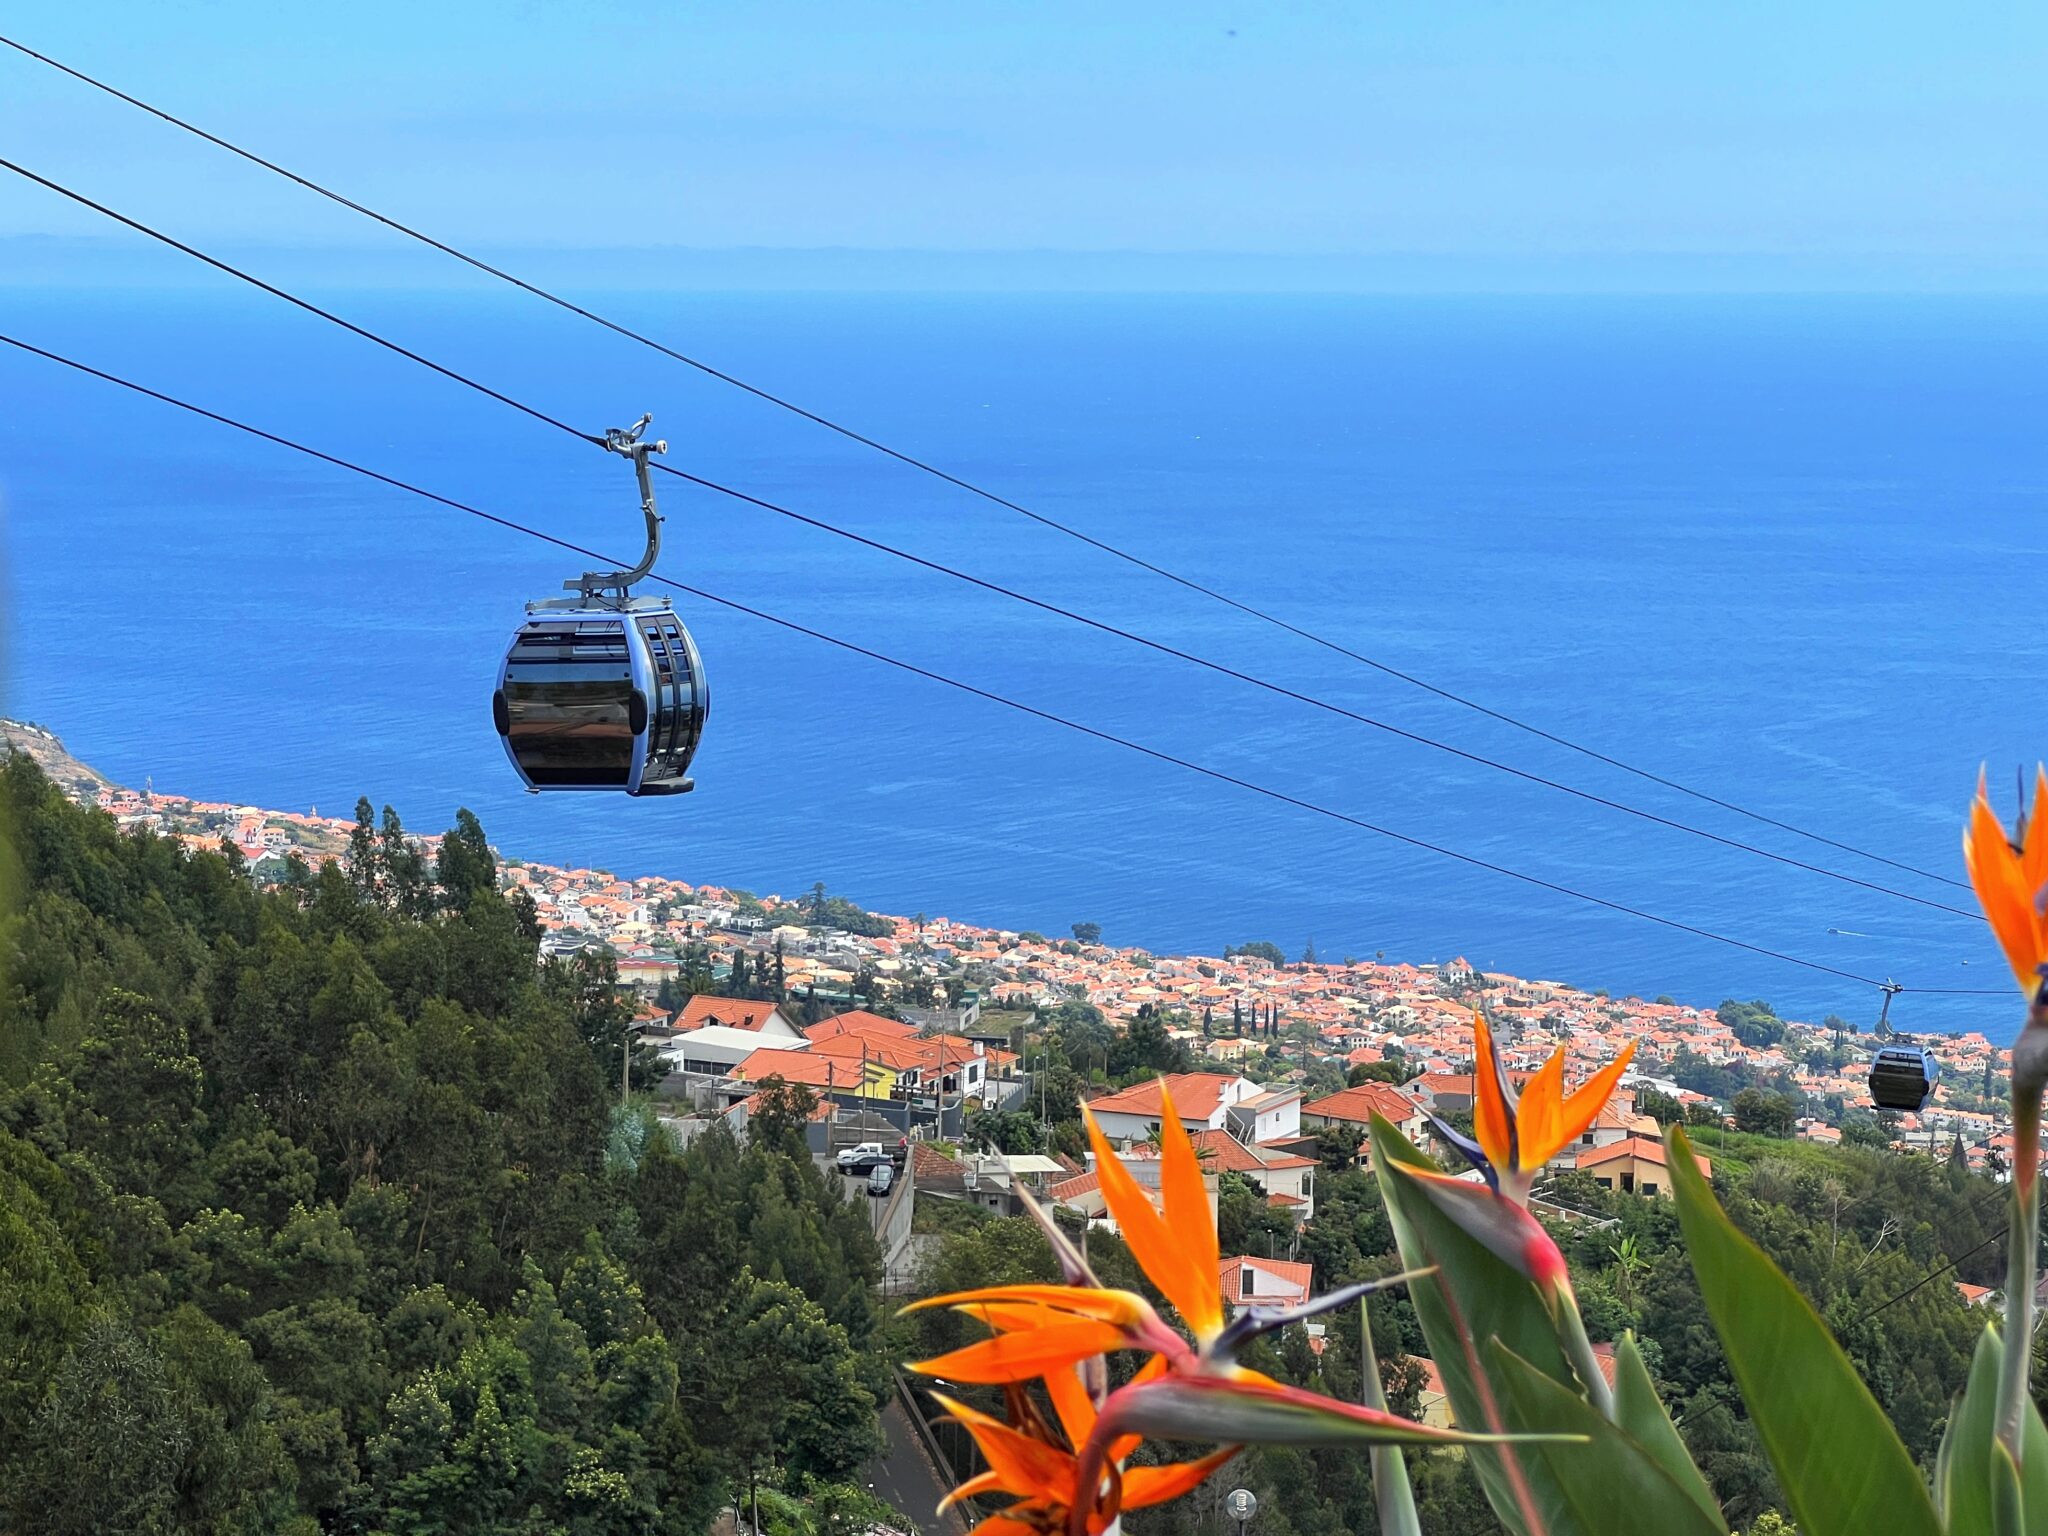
pixel 904 1477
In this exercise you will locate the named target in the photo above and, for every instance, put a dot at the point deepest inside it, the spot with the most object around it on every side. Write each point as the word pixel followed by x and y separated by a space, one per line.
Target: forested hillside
pixel 308 1220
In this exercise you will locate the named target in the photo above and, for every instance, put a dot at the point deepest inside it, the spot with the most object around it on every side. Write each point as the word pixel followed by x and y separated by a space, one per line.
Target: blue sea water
pixel 1790 550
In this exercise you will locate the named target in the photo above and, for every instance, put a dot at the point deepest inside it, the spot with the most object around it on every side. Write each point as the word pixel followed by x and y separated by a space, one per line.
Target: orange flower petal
pixel 1999 878
pixel 1026 1467
pixel 973 1488
pixel 1071 1401
pixel 1026 1355
pixel 1145 1486
pixel 2034 862
pixel 1536 1117
pixel 1581 1109
pixel 1158 1252
pixel 1188 1213
pixel 1492 1119
pixel 1124 1308
pixel 1015 1316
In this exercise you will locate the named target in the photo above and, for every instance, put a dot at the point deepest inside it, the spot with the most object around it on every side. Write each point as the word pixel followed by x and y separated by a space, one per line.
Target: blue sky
pixel 1825 135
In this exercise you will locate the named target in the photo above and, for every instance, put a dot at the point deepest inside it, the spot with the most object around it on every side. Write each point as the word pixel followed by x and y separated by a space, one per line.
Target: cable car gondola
pixel 604 690
pixel 1902 1075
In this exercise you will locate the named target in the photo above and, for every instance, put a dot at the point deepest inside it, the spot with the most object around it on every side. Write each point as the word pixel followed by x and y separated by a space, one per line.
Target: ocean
pixel 1786 550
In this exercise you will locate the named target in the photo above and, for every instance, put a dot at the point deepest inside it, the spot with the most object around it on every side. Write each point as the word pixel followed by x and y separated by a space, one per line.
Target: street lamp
pixel 1240 1504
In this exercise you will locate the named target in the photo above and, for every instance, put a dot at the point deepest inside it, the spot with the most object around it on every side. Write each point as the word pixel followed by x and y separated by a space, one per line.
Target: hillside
pixel 307 1220
pixel 78 779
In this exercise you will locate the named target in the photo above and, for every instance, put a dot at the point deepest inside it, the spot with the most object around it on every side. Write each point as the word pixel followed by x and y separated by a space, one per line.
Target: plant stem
pixel 1571 1329
pixel 2029 1066
pixel 1391 1493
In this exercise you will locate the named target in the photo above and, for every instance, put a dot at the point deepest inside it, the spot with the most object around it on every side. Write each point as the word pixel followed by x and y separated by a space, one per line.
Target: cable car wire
pixel 1939 1270
pixel 1250 610
pixel 1050 717
pixel 993 587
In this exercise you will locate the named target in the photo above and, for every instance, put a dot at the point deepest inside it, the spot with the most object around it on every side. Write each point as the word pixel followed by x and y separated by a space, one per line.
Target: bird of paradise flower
pixel 1071 1476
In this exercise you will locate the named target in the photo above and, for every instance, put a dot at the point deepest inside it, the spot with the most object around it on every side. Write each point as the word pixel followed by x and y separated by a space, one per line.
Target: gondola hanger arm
pixel 629 443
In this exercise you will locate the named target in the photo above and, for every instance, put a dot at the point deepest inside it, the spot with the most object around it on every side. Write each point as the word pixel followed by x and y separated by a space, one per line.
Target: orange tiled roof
pixel 806 1067
pixel 730 1012
pixel 1195 1095
pixel 1639 1147
pixel 1222 1152
pixel 859 1021
pixel 1229 1274
pixel 1358 1104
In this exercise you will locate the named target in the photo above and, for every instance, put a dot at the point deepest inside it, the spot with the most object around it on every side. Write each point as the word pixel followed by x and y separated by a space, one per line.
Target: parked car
pixel 881 1179
pixel 863 1158
pixel 870 1155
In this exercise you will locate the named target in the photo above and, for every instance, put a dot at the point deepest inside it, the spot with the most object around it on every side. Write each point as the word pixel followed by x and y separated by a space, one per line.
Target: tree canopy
pixel 307 1221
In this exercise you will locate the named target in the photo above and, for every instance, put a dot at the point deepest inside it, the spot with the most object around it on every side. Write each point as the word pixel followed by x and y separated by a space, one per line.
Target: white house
pixel 1250 1282
pixel 1355 1107
pixel 1286 1179
pixel 1266 1116
pixel 1202 1099
pixel 716 1034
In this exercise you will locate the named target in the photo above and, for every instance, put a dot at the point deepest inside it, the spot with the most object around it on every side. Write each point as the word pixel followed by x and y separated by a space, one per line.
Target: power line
pixel 1937 1272
pixel 924 466
pixel 1050 717
pixel 996 588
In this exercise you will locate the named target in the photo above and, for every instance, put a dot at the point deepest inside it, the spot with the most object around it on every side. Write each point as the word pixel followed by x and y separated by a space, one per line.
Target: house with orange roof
pixel 1082 1193
pixel 827 1074
pixel 715 1034
pixel 936 1065
pixel 1247 1281
pixel 1635 1165
pixel 858 1021
pixel 1287 1179
pixel 1616 1122
pixel 1204 1101
pixel 1355 1107
pixel 1432 1402
pixel 770 1020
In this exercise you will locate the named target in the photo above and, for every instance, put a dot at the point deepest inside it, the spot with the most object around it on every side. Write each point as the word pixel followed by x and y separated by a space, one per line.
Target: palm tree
pixel 1629 1262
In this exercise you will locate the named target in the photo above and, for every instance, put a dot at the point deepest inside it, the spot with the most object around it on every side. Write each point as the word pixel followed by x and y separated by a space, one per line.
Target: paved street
pixel 907 1479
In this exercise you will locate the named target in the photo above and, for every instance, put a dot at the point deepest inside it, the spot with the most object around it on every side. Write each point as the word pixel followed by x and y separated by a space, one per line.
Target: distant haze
pixel 1446 146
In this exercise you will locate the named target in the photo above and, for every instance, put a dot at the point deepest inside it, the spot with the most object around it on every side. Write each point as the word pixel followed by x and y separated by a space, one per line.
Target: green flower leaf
pixel 1610 1486
pixel 1964 1473
pixel 1252 1413
pixel 1639 1411
pixel 1843 1469
pixel 2007 1518
pixel 1473 1296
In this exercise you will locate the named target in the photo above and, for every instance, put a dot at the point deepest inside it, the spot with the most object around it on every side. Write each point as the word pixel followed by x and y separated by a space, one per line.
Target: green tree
pixel 365 870
pixel 1764 1114
pixel 1004 1130
pixel 466 864
pixel 791 1387
pixel 1661 1107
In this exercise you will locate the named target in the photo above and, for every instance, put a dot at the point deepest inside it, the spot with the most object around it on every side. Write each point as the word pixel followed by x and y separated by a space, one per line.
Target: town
pixel 921 1019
